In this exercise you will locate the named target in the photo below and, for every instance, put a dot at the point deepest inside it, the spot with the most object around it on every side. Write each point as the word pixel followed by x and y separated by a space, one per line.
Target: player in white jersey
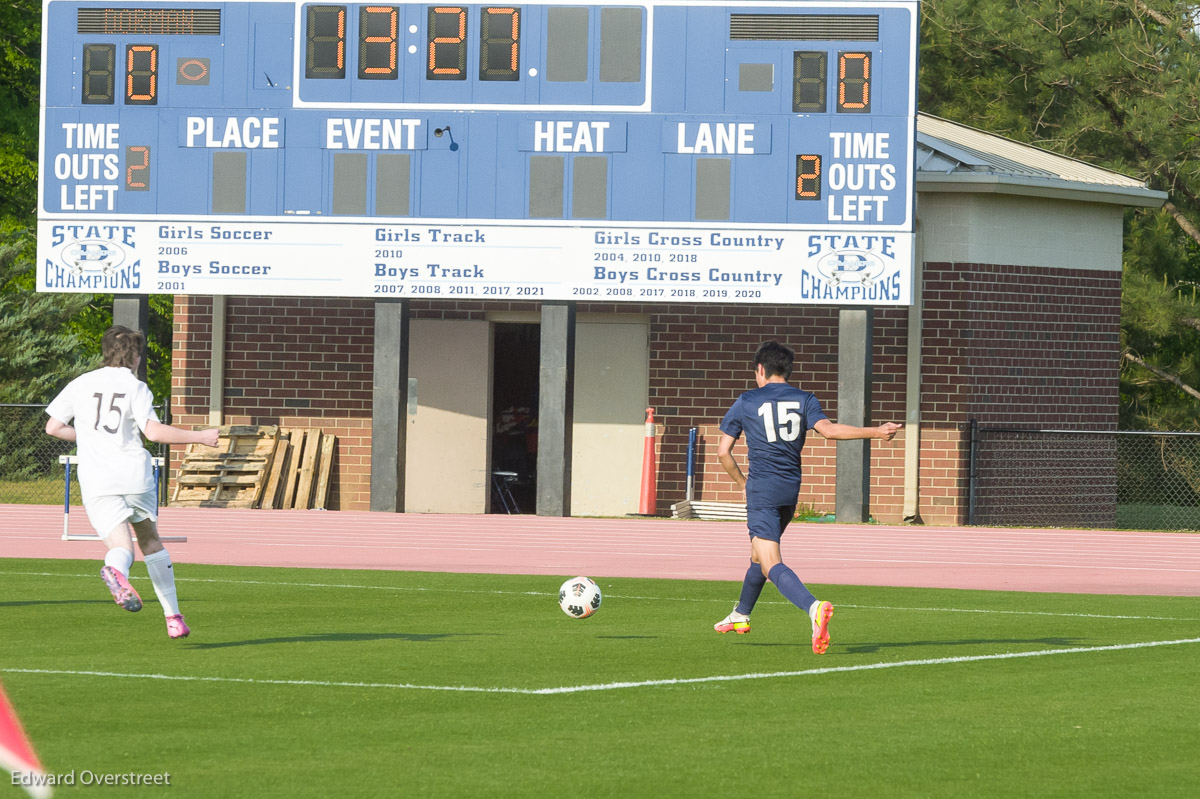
pixel 105 413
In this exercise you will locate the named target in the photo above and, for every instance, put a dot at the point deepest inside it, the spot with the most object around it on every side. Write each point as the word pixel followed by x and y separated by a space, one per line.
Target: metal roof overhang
pixel 1028 186
pixel 1022 170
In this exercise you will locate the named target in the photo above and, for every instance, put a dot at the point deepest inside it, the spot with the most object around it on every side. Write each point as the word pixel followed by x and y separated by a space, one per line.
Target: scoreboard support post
pixel 133 311
pixel 389 406
pixel 556 400
pixel 853 480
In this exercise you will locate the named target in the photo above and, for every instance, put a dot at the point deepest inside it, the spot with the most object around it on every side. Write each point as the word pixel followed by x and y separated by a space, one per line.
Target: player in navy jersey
pixel 775 418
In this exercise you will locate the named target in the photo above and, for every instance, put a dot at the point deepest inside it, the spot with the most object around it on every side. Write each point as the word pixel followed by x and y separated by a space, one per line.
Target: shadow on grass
pixel 627 637
pixel 868 648
pixel 321 638
pixel 860 649
pixel 20 603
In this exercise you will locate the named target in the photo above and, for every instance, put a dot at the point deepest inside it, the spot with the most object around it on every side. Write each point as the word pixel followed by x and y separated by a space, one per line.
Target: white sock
pixel 120 559
pixel 163 578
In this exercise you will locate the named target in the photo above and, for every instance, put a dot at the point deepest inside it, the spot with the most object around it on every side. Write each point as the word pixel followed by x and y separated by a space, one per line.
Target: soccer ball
pixel 579 597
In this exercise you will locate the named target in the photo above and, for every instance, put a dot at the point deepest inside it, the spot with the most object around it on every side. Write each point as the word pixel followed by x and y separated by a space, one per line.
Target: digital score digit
pixel 499 43
pixel 809 82
pixel 141 74
pixel 137 168
pixel 378 42
pixel 99 73
pixel 447 43
pixel 808 177
pixel 854 82
pixel 325 44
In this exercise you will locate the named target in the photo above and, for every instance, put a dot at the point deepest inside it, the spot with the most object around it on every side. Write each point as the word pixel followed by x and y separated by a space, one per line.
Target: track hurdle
pixel 67 461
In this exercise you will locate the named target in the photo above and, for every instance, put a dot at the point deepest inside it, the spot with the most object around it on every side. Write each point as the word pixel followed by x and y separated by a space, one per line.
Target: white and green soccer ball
pixel 579 597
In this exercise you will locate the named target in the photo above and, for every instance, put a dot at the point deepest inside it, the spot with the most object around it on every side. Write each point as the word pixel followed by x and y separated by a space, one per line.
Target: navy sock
pixel 790 586
pixel 752 586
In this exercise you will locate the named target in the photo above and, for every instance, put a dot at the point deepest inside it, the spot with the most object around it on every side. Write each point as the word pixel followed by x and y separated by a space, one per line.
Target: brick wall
pixel 1012 346
pixel 700 361
pixel 1007 345
pixel 289 362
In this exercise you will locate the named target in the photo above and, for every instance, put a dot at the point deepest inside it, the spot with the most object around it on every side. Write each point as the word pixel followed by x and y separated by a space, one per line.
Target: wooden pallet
pixel 304 466
pixel 231 475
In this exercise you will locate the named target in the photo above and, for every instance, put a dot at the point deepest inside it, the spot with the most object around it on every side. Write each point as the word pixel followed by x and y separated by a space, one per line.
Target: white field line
pixel 635 597
pixel 613 686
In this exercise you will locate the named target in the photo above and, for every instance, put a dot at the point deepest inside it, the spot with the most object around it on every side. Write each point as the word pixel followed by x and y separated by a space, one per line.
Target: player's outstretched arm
pixel 161 433
pixel 725 456
pixel 842 432
pixel 60 430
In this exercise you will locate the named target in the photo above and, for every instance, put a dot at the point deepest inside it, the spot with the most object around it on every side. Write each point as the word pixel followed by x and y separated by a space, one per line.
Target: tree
pixel 95 316
pixel 1118 85
pixel 20 81
pixel 81 320
pixel 1160 326
pixel 38 352
pixel 38 356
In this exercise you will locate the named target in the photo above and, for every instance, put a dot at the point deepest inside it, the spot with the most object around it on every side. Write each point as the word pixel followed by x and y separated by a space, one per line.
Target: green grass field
pixel 304 682
pixel 1144 516
pixel 43 491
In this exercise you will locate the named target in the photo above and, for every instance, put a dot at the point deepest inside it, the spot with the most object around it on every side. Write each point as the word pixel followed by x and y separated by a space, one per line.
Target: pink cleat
pixel 822 613
pixel 122 591
pixel 176 627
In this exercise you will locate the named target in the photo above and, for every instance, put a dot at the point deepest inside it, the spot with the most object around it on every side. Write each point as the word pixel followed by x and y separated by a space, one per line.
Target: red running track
pixel 1070 561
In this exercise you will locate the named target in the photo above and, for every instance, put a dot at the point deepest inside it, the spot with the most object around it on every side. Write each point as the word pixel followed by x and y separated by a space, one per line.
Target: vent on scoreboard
pixel 149 21
pixel 804 27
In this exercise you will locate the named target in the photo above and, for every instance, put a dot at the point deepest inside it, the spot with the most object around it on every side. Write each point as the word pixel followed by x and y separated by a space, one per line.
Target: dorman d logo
pixel 850 266
pixel 92 255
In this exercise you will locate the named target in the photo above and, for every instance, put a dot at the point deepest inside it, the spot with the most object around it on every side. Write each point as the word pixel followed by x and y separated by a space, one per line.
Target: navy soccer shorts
pixel 769 523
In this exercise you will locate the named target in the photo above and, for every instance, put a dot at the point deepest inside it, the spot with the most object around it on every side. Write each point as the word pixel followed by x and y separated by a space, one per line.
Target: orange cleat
pixel 821 615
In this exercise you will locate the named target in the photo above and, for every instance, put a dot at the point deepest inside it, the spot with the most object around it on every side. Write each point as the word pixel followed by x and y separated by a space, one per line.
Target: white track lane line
pixel 613 686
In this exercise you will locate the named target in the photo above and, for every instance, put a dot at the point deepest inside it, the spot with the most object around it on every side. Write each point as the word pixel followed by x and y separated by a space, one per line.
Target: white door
pixel 447 451
pixel 612 387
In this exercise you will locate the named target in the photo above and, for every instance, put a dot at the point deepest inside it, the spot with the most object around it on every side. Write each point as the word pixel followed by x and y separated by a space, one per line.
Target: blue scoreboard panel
pixel 663 150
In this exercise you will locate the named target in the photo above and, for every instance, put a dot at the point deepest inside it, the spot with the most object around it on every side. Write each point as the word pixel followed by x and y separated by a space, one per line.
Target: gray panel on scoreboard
pixel 350 184
pixel 620 45
pixel 229 183
pixel 589 187
pixel 712 188
pixel 392 172
pixel 567 44
pixel 756 77
pixel 546 186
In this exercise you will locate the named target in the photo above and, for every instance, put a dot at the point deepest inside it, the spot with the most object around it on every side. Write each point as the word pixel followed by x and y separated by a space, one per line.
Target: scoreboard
pixel 662 150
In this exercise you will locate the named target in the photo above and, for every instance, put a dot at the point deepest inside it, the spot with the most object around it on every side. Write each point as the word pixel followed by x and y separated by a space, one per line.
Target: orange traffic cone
pixel 649 495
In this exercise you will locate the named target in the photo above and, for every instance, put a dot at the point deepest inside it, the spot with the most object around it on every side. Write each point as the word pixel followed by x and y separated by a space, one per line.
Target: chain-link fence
pixel 30 473
pixel 1075 478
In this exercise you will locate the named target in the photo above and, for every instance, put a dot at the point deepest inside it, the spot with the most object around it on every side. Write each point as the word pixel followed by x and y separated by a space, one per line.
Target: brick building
pixel 1017 323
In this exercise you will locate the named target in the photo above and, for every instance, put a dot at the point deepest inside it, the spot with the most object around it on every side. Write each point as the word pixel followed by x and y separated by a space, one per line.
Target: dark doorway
pixel 514 417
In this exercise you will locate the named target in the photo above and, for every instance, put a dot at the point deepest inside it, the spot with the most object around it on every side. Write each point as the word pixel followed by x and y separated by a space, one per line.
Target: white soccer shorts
pixel 109 511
